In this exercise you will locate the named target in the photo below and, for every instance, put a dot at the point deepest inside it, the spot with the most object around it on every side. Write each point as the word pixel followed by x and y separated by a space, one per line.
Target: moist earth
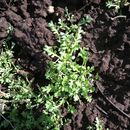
pixel 108 40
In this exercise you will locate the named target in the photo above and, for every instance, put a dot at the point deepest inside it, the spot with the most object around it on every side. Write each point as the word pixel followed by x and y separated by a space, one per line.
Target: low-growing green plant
pixel 69 80
pixel 98 125
pixel 9 31
pixel 17 90
pixel 8 78
pixel 67 76
pixel 117 4
pixel 18 100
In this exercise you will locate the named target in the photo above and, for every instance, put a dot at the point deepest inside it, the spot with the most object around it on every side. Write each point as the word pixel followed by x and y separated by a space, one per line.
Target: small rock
pixel 50 9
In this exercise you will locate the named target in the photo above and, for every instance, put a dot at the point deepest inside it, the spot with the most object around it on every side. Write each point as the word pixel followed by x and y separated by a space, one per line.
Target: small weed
pixel 9 31
pixel 117 4
pixel 16 94
pixel 98 125
pixel 69 81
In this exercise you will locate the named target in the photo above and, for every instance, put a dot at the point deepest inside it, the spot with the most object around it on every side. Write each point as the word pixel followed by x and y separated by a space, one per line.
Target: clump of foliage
pixel 117 4
pixel 98 125
pixel 70 80
pixel 8 72
pixel 17 91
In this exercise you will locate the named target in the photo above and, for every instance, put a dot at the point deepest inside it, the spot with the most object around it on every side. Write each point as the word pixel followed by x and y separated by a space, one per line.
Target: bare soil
pixel 108 39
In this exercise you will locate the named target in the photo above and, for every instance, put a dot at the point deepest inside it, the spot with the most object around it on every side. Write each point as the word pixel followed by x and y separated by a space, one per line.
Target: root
pixel 120 16
pixel 125 114
pixel 7 121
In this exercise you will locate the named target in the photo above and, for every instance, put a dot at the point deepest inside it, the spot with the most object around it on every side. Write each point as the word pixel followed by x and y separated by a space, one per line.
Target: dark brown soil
pixel 108 39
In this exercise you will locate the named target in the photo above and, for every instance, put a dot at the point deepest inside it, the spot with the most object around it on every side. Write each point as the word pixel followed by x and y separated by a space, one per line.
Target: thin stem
pixel 120 16
pixel 7 120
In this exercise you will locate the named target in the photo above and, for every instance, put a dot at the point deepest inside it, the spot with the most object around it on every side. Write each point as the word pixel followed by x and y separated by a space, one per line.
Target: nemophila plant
pixel 69 80
pixel 18 88
pixel 17 91
pixel 67 76
pixel 98 125
pixel 117 4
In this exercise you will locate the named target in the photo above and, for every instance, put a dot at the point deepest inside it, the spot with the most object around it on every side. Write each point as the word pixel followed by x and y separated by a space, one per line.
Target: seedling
pixel 98 125
pixel 117 4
